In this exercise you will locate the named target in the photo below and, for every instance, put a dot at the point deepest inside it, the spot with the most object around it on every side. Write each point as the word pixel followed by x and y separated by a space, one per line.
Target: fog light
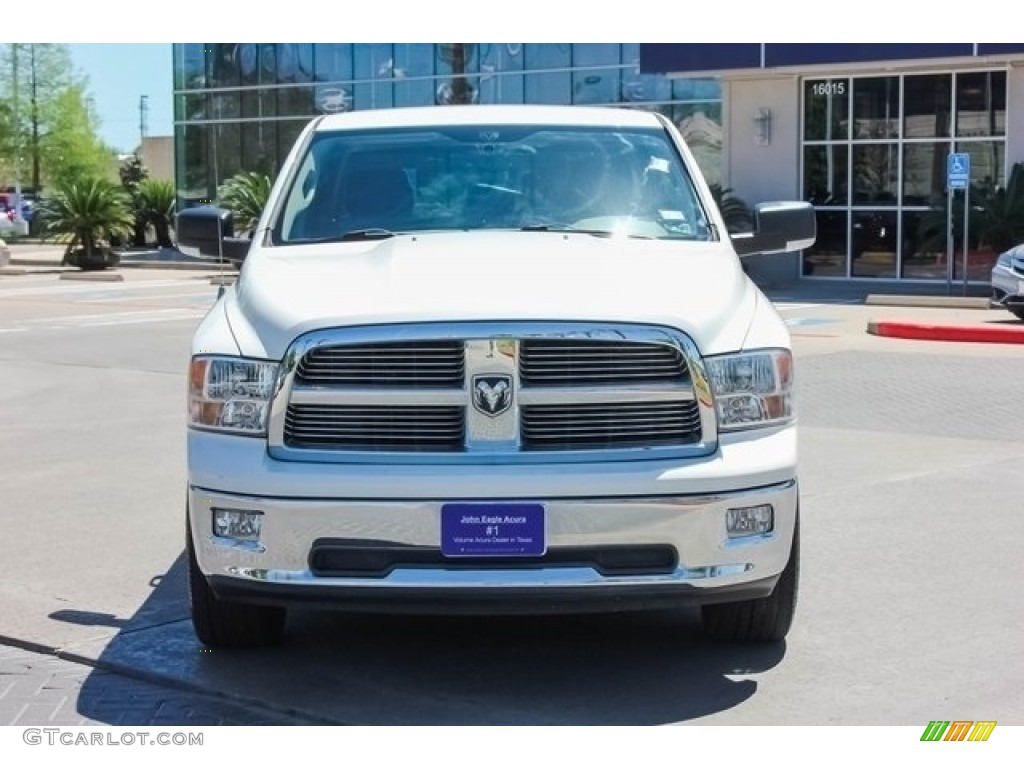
pixel 240 524
pixel 749 521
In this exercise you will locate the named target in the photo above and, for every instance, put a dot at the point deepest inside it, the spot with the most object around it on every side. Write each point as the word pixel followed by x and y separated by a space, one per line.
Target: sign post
pixel 958 176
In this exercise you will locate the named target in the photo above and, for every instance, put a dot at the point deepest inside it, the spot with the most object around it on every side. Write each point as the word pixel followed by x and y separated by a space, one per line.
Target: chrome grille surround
pixel 494 348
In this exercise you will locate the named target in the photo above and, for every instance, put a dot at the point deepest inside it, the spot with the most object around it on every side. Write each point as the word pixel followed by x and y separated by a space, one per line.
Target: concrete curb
pixel 201 266
pixel 948 302
pixel 103 276
pixel 964 333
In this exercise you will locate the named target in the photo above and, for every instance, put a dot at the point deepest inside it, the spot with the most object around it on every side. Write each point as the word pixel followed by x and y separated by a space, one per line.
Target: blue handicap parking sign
pixel 958 170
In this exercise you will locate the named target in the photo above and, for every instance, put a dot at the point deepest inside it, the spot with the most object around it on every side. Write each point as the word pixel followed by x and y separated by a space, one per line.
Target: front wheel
pixel 761 620
pixel 1017 312
pixel 222 624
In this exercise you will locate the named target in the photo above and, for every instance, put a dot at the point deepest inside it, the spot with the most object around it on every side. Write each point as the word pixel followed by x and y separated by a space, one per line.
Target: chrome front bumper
pixel 711 567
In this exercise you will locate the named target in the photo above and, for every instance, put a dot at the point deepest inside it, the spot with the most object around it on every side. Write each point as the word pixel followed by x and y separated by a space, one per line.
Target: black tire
pixel 1017 312
pixel 762 620
pixel 221 624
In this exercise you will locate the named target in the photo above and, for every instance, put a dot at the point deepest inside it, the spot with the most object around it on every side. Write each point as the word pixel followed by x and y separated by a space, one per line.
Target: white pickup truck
pixel 492 359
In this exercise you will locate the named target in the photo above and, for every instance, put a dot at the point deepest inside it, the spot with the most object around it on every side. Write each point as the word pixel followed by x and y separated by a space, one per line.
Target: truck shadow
pixel 613 669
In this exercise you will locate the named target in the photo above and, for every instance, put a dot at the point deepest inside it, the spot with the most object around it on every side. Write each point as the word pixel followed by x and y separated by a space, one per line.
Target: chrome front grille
pixel 438 393
pixel 610 425
pixel 398 364
pixel 568 362
pixel 375 428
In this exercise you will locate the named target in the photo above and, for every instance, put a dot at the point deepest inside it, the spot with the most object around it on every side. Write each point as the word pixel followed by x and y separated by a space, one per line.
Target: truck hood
pixel 696 287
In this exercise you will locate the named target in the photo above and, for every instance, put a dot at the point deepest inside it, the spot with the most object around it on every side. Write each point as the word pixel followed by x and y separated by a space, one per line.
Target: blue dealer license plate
pixel 492 530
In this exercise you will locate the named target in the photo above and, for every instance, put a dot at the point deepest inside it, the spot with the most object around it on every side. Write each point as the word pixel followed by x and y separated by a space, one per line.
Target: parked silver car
pixel 1008 281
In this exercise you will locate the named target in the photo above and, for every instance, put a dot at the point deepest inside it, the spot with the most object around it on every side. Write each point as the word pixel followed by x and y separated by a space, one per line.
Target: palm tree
pixel 735 211
pixel 86 213
pixel 156 201
pixel 245 195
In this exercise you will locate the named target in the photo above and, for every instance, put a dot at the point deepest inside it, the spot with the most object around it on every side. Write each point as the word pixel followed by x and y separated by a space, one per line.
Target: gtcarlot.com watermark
pixel 84 738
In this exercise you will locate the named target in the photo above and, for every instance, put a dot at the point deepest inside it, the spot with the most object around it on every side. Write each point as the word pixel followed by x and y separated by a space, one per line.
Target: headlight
pixel 752 389
pixel 230 394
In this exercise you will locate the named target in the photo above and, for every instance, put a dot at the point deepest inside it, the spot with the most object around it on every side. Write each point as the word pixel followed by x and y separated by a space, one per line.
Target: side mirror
pixel 208 233
pixel 778 228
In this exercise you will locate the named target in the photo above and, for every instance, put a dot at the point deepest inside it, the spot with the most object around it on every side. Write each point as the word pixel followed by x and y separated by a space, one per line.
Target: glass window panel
pixel 645 88
pixel 827 257
pixel 548 55
pixel 225 106
pixel 496 59
pixel 924 171
pixel 701 127
pixel 193 65
pixel 981 104
pixel 988 159
pixel 294 62
pixel 924 245
pixel 225 152
pixel 331 98
pixel 826 174
pixel 268 64
pixel 178 57
pixel 551 87
pixel 595 86
pixel 595 54
pixel 248 55
pixel 378 95
pixel 373 62
pixel 693 89
pixel 501 89
pixel 259 147
pixel 332 61
pixel 926 106
pixel 196 106
pixel 222 65
pixel 295 101
pixel 414 65
pixel 455 61
pixel 194 187
pixel 826 109
pixel 874 242
pixel 414 93
pixel 875 169
pixel 876 107
pixel 287 133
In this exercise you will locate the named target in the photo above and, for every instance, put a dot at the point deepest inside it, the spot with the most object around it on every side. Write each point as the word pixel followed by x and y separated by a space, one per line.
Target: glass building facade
pixel 874 165
pixel 240 106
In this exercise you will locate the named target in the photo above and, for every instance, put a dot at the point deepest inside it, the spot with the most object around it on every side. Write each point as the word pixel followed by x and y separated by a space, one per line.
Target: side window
pixel 300 197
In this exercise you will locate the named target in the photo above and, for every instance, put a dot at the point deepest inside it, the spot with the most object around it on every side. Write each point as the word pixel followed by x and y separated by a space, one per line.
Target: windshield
pixel 613 181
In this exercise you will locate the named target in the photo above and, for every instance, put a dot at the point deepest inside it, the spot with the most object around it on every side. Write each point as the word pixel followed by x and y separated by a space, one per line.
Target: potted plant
pixel 86 214
pixel 155 202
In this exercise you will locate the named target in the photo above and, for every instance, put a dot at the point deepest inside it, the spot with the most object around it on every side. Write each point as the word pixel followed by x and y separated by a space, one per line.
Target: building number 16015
pixel 829 88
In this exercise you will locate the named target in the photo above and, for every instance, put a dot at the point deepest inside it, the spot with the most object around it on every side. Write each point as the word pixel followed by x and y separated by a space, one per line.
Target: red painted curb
pixel 975 333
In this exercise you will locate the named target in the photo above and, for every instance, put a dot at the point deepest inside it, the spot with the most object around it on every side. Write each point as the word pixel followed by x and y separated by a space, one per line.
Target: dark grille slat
pixel 375 428
pixel 557 362
pixel 398 364
pixel 610 425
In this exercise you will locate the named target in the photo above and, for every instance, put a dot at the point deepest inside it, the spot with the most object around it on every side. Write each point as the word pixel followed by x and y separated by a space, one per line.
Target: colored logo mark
pixel 958 730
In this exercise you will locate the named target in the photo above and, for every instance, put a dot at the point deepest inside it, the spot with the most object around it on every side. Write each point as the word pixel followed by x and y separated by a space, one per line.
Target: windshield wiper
pixel 580 230
pixel 370 233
